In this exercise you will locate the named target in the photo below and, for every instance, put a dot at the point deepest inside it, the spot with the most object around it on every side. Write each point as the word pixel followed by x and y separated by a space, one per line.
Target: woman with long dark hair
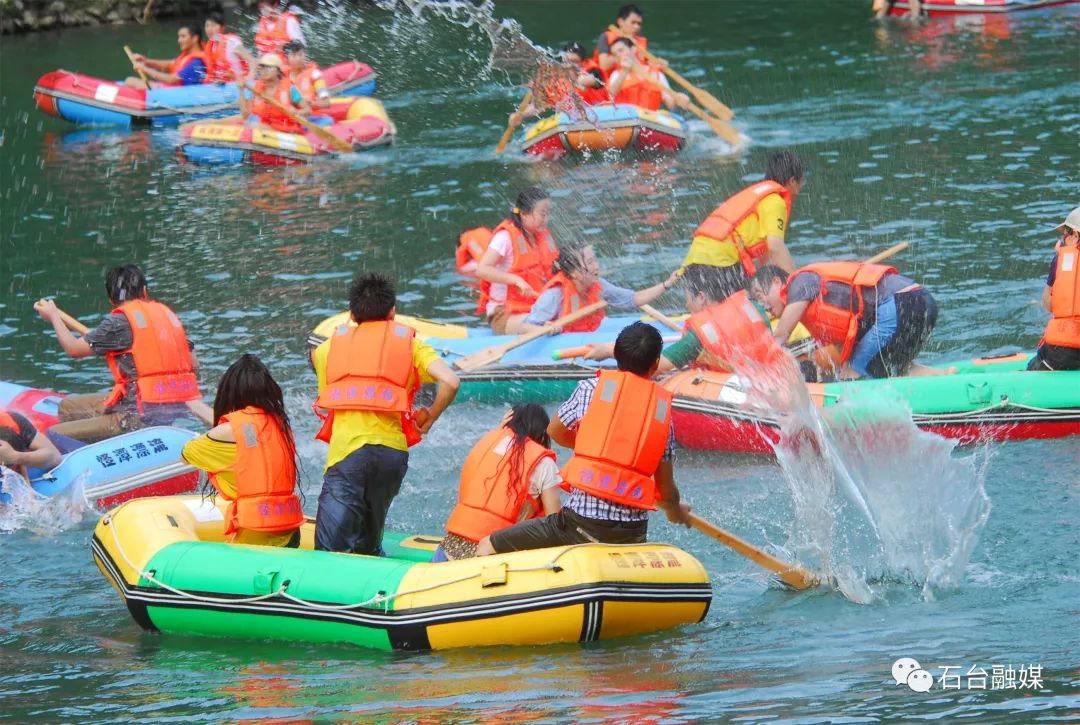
pixel 518 262
pixel 251 457
pixel 510 475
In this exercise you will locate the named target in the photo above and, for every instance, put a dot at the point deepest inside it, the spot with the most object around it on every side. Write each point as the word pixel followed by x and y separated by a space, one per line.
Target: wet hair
pixel 248 382
pixel 783 166
pixel 637 348
pixel 526 202
pixel 706 279
pixel 627 10
pixel 764 277
pixel 193 30
pixel 623 41
pixel 216 17
pixel 527 420
pixel 574 47
pixel 125 283
pixel 572 258
pixel 293 46
pixel 371 297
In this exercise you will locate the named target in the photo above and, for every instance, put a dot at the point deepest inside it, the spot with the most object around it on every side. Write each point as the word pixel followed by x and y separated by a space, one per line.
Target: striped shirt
pixel 584 504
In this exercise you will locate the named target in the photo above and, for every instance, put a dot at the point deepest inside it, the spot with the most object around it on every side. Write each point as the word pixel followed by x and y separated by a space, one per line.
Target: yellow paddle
pixel 142 74
pixel 794 576
pixel 702 96
pixel 494 353
pixel 322 133
pixel 881 256
pixel 199 409
pixel 505 139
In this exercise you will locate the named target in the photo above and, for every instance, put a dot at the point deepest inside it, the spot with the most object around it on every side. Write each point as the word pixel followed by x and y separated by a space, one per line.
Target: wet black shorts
pixel 916 315
pixel 1055 357
pixel 564 528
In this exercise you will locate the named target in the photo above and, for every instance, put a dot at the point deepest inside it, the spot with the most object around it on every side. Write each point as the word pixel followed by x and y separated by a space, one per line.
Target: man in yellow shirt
pixel 747 231
pixel 368 375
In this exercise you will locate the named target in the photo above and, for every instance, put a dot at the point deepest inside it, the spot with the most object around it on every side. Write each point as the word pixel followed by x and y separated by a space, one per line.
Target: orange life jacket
pixel 531 263
pixel 621 439
pixel 486 502
pixel 370 367
pixel 164 369
pixel 6 421
pixel 271 116
pixel 471 246
pixel 722 222
pixel 218 67
pixel 272 35
pixel 183 59
pixel 834 315
pixel 593 95
pixel 305 79
pixel 265 475
pixel 1064 327
pixel 640 41
pixel 572 302
pixel 732 331
pixel 640 91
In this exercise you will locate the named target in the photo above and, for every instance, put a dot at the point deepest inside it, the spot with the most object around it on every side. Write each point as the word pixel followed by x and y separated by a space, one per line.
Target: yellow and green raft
pixel 166 558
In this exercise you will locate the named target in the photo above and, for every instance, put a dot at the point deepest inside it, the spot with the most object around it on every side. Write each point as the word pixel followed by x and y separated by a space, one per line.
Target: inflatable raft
pixel 987 399
pixel 610 126
pixel 365 126
pixel 144 462
pixel 940 8
pixel 166 558
pixel 90 101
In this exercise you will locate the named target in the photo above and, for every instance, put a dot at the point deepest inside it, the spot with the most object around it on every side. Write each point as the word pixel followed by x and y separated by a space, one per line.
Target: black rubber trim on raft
pixel 406 629
pixel 590 623
pixel 137 608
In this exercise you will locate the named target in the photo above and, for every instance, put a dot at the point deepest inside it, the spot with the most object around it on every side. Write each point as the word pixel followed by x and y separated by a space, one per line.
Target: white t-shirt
pixel 544 476
pixel 232 44
pixel 504 245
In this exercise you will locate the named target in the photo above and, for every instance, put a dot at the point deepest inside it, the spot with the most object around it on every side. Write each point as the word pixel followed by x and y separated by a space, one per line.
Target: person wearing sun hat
pixel 1059 348
pixel 273 82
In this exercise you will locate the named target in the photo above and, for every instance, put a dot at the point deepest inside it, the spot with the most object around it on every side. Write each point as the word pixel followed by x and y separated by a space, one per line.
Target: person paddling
pixel 274 83
pixel 187 69
pixel 1059 348
pixel 640 84
pixel 510 475
pixel 226 57
pixel 628 22
pixel 251 457
pixel 306 76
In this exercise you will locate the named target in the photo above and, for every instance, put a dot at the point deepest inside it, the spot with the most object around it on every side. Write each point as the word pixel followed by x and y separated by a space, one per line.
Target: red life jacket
pixel 572 302
pixel 621 439
pixel 271 116
pixel 265 475
pixel 1064 327
pixel 218 67
pixel 486 501
pixel 724 219
pixel 640 41
pixel 304 80
pixel 370 367
pixel 593 95
pixel 6 421
pixel 183 59
pixel 733 331
pixel 164 369
pixel 834 315
pixel 471 246
pixel 531 263
pixel 641 92
pixel 272 35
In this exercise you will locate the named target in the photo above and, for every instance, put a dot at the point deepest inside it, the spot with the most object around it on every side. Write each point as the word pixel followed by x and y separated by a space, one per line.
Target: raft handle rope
pixel 380 598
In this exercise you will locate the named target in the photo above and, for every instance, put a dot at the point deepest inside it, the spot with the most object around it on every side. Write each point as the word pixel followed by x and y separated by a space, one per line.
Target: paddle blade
pixel 794 576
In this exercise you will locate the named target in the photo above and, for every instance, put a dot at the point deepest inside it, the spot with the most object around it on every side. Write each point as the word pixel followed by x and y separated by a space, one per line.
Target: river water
pixel 958 136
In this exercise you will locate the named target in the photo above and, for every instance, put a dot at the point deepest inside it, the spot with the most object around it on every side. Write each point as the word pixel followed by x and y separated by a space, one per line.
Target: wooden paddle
pixel 722 128
pixel 881 256
pixel 322 133
pixel 199 409
pixel 505 139
pixel 134 65
pixel 494 353
pixel 794 576
pixel 661 317
pixel 706 99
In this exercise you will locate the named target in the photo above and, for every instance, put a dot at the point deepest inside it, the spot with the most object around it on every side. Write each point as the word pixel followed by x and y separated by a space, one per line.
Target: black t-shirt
pixel 21 439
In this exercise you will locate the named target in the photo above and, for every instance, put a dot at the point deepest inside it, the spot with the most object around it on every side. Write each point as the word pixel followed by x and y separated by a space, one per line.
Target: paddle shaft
pixel 794 576
pixel 505 138
pixel 881 256
pixel 722 128
pixel 142 74
pixel 322 133
pixel 660 316
pixel 495 352
pixel 711 102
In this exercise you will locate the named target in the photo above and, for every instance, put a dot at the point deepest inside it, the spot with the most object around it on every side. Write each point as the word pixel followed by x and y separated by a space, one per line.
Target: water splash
pixel 21 507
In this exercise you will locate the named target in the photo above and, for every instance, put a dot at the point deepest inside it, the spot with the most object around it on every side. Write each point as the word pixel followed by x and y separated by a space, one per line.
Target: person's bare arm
pixel 488 272
pixel 75 347
pixel 551 500
pixel 671 502
pixel 647 295
pixel 779 254
pixel 1046 298
pixel 788 319
pixel 446 388
pixel 42 454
